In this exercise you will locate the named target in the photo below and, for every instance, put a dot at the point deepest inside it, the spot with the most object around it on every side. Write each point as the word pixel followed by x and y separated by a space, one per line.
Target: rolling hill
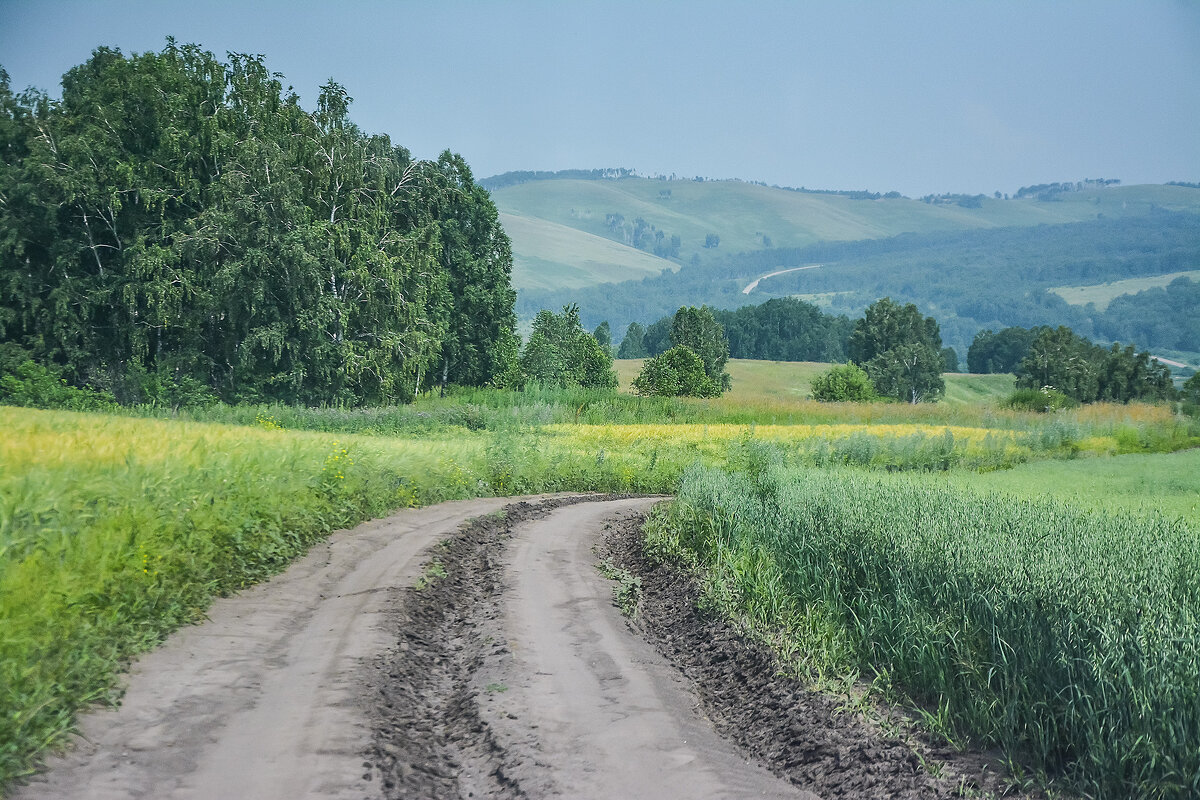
pixel 572 232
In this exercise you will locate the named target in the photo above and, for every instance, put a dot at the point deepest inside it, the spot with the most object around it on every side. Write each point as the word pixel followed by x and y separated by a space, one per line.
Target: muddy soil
pixel 804 736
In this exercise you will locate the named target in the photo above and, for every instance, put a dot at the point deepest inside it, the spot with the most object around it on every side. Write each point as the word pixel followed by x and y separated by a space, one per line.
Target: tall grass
pixel 1067 637
pixel 114 531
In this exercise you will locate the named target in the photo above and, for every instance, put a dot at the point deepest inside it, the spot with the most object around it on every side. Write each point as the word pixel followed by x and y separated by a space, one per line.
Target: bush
pixel 35 386
pixel 679 372
pixel 843 383
pixel 1045 399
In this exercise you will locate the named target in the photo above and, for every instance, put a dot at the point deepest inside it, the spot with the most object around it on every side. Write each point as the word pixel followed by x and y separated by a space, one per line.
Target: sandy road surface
pixel 265 700
pixel 602 714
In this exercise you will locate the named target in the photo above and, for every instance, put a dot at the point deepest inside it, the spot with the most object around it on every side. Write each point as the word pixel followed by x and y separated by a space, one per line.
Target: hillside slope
pixel 555 223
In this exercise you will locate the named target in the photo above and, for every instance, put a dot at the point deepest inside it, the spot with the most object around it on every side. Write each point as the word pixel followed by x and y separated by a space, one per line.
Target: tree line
pixel 178 223
pixel 977 279
pixel 1058 359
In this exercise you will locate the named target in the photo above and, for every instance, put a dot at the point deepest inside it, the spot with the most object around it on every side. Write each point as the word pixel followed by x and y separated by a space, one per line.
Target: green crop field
pixel 1103 293
pixel 115 529
pixel 742 214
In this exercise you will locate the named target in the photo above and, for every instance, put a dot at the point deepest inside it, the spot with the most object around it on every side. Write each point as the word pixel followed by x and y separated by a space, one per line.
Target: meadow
pixel 115 529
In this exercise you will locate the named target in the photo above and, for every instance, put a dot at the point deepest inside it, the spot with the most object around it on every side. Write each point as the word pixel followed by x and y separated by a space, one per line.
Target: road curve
pixel 601 712
pixel 264 699
pixel 750 287
pixel 258 701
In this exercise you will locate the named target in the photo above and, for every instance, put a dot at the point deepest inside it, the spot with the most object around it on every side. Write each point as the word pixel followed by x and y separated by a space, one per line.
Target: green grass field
pixel 757 381
pixel 547 255
pixel 742 214
pixel 115 529
pixel 1163 483
pixel 1103 293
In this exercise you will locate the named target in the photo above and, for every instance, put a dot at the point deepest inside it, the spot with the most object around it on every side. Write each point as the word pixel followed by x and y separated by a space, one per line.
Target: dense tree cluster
pixel 695 364
pixel 561 354
pixel 781 329
pixel 997 353
pixel 1086 372
pixel 900 350
pixel 178 220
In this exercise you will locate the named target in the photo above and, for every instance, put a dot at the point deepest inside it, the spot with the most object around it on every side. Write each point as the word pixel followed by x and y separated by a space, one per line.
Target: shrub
pixel 35 386
pixel 1045 399
pixel 679 372
pixel 842 383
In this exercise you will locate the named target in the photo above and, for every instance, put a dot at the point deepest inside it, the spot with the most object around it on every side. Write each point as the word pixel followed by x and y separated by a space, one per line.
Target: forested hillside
pixel 667 222
pixel 180 224
pixel 969 280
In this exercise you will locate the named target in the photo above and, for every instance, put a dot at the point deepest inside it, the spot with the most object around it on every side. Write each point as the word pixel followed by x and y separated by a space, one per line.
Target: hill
pixel 968 280
pixel 658 223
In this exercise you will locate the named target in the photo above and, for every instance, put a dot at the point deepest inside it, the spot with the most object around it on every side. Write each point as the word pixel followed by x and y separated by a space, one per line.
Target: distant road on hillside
pixel 754 284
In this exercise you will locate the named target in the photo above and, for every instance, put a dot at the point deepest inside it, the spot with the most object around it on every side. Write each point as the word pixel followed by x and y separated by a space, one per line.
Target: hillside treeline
pixel 975 279
pixel 178 223
pixel 781 329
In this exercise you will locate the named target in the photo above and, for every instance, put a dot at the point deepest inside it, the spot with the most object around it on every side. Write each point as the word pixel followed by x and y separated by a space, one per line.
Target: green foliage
pixel 1189 394
pixel 1064 636
pixel 184 218
pixel 900 350
pixel 35 386
pixel 1001 352
pixel 633 345
pixel 949 359
pixel 785 329
pixel 679 372
pixel 843 383
pixel 698 330
pixel 560 353
pixel 1044 399
pixel 603 335
pixel 1086 372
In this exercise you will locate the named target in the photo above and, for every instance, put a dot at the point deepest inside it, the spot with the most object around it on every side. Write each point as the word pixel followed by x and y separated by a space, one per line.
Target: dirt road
pixel 750 287
pixel 421 657
pixel 266 699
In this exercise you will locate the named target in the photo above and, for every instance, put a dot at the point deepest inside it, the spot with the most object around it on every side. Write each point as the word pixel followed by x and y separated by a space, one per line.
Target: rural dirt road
pixel 750 287
pixel 266 698
pixel 425 656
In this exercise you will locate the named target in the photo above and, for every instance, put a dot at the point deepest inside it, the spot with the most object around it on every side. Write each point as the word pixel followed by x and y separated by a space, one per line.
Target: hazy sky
pixel 920 97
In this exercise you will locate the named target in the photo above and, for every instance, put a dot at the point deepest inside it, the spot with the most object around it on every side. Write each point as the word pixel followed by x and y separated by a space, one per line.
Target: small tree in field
pixel 843 383
pixel 676 373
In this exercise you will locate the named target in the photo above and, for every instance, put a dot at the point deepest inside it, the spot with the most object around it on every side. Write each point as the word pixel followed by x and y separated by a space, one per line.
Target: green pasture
pixel 1166 484
pixel 1102 294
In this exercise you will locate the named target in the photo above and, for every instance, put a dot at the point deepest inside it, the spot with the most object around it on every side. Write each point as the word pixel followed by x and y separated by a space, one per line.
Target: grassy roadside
pixel 1064 635
pixel 114 531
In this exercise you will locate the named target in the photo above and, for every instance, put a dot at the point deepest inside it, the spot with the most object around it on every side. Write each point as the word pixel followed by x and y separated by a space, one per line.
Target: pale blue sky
pixel 921 97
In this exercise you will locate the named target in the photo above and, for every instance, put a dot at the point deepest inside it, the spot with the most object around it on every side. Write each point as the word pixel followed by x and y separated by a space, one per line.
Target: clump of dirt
pixel 799 734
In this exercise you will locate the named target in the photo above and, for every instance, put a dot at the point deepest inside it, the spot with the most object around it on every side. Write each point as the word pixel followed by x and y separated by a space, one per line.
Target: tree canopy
pixel 178 220
pixel 698 330
pixel 900 350
pixel 1086 372
pixel 560 353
